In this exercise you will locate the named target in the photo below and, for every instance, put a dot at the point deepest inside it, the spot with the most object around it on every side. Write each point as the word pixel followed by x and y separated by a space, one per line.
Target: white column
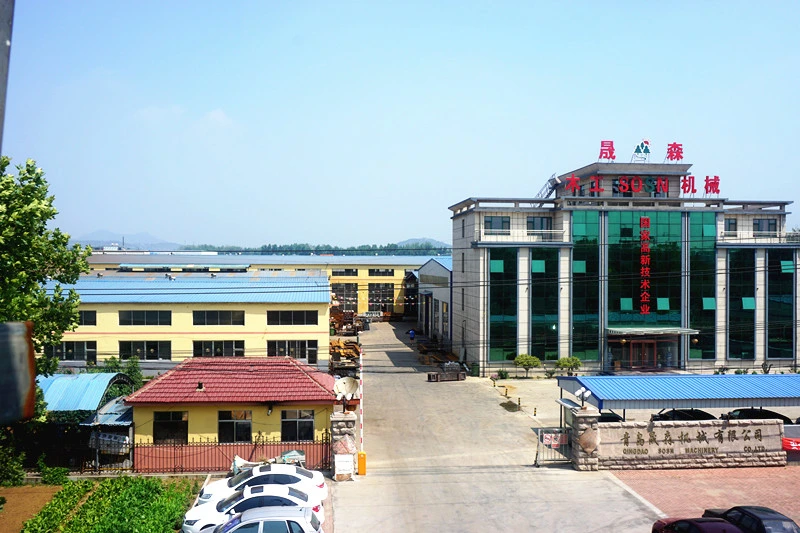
pixel 761 305
pixel 523 300
pixel 721 336
pixel 564 302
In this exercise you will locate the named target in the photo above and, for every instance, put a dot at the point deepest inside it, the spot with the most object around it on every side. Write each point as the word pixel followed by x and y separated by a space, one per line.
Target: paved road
pixel 442 456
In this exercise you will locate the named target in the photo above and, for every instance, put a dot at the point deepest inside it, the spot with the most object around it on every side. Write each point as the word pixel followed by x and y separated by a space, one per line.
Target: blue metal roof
pixel 445 261
pixel 114 413
pixel 76 392
pixel 687 391
pixel 190 287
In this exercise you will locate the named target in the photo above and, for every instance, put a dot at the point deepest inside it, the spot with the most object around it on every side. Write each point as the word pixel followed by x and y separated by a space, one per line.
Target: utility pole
pixel 6 24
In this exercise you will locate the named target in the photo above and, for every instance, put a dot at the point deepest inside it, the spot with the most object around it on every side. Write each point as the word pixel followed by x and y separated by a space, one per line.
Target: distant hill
pixel 425 240
pixel 135 241
pixel 144 241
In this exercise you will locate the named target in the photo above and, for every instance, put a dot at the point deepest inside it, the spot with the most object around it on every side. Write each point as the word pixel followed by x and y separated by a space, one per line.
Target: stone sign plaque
pixel 705 442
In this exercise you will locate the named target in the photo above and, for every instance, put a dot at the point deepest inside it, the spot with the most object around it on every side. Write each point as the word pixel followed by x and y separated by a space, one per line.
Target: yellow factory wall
pixel 203 420
pixel 182 333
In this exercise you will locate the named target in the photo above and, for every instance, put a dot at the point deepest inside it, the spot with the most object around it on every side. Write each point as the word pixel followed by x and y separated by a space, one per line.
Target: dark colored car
pixel 609 416
pixel 755 519
pixel 757 414
pixel 682 414
pixel 695 525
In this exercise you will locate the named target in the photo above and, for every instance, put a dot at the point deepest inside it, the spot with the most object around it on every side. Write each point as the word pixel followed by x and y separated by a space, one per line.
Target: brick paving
pixel 687 493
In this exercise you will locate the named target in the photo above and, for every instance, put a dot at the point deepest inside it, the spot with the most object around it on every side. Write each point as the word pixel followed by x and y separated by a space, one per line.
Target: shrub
pixel 52 475
pixel 570 364
pixel 502 374
pixel 527 362
pixel 11 472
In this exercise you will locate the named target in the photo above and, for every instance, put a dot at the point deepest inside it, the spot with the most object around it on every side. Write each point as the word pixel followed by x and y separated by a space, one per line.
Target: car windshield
pixel 241 476
pixel 230 501
pixel 780 526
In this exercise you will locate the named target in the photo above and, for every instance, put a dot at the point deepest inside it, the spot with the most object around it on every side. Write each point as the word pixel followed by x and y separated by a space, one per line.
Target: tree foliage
pixel 420 248
pixel 527 362
pixel 36 261
pixel 570 364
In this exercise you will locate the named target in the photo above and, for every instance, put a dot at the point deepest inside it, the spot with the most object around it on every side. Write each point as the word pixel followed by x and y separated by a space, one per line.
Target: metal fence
pixel 217 457
pixel 554 446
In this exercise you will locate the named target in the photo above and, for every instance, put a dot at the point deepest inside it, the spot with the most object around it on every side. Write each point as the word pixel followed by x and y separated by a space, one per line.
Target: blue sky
pixel 344 123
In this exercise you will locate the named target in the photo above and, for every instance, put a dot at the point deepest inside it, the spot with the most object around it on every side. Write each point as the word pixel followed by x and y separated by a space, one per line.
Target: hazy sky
pixel 347 123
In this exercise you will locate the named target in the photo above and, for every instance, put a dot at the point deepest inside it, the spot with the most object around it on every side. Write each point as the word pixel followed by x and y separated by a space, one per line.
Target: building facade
pixel 164 319
pixel 625 267
pixel 435 295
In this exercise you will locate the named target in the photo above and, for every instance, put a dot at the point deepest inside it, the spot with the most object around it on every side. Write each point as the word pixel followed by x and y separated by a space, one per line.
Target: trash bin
pixel 475 370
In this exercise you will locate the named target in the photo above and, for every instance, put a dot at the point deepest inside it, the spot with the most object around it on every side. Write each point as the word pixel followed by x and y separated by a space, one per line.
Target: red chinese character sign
pixel 644 265
pixel 674 152
pixel 607 151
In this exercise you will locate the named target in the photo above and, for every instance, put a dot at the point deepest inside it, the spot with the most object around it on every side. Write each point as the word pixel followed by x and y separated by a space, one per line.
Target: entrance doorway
pixel 642 353
pixel 650 352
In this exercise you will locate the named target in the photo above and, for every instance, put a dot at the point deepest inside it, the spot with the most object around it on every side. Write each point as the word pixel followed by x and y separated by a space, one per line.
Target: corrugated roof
pixel 237 380
pixel 323 260
pixel 446 262
pixel 77 392
pixel 687 391
pixel 114 413
pixel 189 287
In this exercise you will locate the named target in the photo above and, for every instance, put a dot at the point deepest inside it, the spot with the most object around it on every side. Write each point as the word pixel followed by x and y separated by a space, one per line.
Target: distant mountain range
pixel 101 239
pixel 136 241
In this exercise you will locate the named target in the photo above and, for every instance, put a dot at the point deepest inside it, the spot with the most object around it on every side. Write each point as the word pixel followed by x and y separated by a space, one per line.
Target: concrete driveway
pixel 447 456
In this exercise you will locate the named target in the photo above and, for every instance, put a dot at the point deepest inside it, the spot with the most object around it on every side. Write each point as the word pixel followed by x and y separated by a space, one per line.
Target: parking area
pixel 689 492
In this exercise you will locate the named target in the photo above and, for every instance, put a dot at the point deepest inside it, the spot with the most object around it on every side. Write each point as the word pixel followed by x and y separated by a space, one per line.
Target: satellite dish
pixel 345 388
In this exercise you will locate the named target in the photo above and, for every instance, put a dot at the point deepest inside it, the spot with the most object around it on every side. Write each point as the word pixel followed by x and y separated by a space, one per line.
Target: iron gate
pixel 554 446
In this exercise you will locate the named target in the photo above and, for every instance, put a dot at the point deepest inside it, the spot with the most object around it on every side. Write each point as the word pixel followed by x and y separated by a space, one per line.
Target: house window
pixel 297 425
pixel 463 228
pixel 235 426
pixel 462 298
pixel 730 227
pixel 150 350
pixel 497 225
pixel 145 318
pixel 218 318
pixel 463 257
pixel 386 272
pixel 292 318
pixel 296 349
pixel 765 227
pixel 73 351
pixel 218 348
pixel 345 272
pixel 541 226
pixel 87 318
pixel 346 295
pixel 170 427
pixel 381 297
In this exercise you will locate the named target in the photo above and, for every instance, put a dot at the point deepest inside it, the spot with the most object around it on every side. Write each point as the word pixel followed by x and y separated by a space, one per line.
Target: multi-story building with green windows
pixel 617 266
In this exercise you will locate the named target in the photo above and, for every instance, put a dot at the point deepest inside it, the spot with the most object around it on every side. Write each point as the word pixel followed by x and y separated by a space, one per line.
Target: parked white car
pixel 204 517
pixel 311 482
pixel 272 520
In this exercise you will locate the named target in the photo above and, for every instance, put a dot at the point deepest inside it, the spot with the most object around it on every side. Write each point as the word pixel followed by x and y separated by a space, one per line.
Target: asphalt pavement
pixel 457 456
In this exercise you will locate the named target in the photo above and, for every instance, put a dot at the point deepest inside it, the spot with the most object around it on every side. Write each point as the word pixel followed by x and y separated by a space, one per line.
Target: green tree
pixel 570 364
pixel 31 255
pixel 527 362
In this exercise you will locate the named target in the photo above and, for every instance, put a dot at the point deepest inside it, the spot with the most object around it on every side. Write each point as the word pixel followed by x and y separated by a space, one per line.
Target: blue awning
pixel 687 391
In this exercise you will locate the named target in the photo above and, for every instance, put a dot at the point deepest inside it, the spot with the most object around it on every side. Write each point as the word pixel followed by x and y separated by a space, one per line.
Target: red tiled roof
pixel 237 380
